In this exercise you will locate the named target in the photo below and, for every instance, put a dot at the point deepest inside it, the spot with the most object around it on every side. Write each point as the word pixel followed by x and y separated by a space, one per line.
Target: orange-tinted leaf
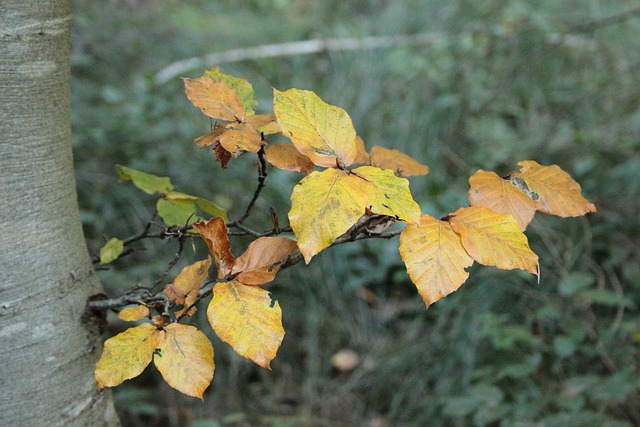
pixel 361 152
pixel 499 195
pixel 493 238
pixel 134 313
pixel 320 131
pixel 397 161
pixel 262 260
pixel 215 99
pixel 126 355
pixel 214 232
pixel 185 287
pixel 242 87
pixel 240 138
pixel 435 258
pixel 222 155
pixel 185 359
pixel 558 194
pixel 285 156
pixel 324 205
pixel 211 138
pixel 247 318
pixel 264 123
pixel 388 194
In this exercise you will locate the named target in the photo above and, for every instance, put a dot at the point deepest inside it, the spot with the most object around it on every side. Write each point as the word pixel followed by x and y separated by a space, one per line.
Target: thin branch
pixel 596 24
pixel 262 176
pixel 304 47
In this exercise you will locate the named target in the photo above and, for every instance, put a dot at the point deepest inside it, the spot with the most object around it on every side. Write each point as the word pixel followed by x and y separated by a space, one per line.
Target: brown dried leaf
pixel 397 161
pixel 262 260
pixel 214 233
pixel 215 99
pixel 285 156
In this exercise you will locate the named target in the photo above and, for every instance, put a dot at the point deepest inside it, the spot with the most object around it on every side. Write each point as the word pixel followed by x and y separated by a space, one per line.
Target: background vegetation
pixel 502 81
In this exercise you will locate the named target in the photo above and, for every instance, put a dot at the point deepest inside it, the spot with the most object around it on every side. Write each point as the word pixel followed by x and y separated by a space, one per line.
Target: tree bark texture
pixel 47 351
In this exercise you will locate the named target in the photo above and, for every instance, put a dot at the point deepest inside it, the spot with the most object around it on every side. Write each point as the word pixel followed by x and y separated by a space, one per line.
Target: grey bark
pixel 47 351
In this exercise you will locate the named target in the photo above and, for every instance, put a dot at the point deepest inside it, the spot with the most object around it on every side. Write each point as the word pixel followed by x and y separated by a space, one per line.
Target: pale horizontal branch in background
pixel 304 47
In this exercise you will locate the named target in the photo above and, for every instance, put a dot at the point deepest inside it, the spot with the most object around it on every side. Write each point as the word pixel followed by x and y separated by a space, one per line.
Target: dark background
pixel 499 82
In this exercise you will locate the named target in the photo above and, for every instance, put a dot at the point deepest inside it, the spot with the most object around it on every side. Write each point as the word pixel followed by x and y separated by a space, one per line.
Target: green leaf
pixel 242 86
pixel 111 251
pixel 211 208
pixel 147 182
pixel 178 208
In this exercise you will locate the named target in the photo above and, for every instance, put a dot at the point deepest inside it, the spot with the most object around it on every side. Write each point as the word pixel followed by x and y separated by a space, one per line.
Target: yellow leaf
pixel 111 250
pixel 435 258
pixel 324 205
pixel 388 194
pixel 210 138
pixel 320 131
pixel 262 260
pixel 286 157
pixel 397 161
pixel 263 123
pixel 240 138
pixel 133 314
pixel 126 355
pixel 361 152
pixel 185 359
pixel 493 238
pixel 499 195
pixel 247 318
pixel 214 233
pixel 558 194
pixel 216 99
pixel 185 287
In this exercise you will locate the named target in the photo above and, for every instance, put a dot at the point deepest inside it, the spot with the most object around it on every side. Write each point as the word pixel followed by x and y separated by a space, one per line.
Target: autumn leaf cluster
pixel 347 193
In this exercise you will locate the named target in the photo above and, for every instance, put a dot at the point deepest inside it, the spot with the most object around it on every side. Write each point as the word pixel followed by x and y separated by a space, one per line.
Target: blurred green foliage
pixel 506 80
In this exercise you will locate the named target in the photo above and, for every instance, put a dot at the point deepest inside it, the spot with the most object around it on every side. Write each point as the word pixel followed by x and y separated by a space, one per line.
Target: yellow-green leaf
pixel 147 182
pixel 434 257
pixel 320 131
pixel 126 355
pixel 242 87
pixel 111 250
pixel 558 194
pixel 493 238
pixel 388 194
pixel 247 318
pixel 134 313
pixel 179 208
pixel 324 205
pixel 499 195
pixel 185 359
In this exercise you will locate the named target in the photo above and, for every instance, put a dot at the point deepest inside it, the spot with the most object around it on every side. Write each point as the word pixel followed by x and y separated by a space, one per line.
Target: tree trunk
pixel 47 350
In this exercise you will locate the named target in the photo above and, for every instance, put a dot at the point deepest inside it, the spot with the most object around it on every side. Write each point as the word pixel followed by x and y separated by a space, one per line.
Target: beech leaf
pixel 185 359
pixel 241 86
pixel 181 209
pixel 287 157
pixel 434 257
pixel 134 313
pixel 264 123
pixel 216 99
pixel 558 194
pixel 184 288
pixel 147 182
pixel 214 233
pixel 400 163
pixel 126 355
pixel 500 195
pixel 240 138
pixel 111 250
pixel 320 131
pixel 361 152
pixel 493 238
pixel 248 319
pixel 262 260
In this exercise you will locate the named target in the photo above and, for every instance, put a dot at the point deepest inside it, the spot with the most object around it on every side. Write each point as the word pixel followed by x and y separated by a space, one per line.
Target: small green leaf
pixel 177 212
pixel 147 182
pixel 111 251
pixel 211 208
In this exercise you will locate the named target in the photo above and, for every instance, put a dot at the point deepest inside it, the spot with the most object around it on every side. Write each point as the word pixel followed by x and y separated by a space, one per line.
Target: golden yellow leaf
pixel 262 260
pixel 493 238
pixel 126 355
pixel 239 138
pixel 287 157
pixel 557 193
pixel 320 131
pixel 210 138
pixel 247 318
pixel 214 233
pixel 397 161
pixel 500 195
pixel 216 99
pixel 361 152
pixel 264 123
pixel 387 194
pixel 185 359
pixel 241 86
pixel 185 287
pixel 434 257
pixel 324 205
pixel 133 314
